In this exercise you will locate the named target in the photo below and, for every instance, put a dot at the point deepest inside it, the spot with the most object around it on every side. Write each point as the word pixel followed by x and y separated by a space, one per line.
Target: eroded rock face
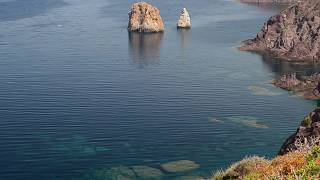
pixel 287 81
pixel 293 34
pixel 184 20
pixel 143 17
pixel 308 130
pixel 304 86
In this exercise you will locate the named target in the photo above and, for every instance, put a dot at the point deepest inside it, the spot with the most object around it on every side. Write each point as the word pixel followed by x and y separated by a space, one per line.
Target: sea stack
pixel 144 17
pixel 293 34
pixel 184 20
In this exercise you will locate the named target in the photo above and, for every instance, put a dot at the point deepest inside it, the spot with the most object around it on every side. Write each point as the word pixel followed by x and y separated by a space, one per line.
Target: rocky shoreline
pixel 298 158
pixel 303 86
pixel 308 131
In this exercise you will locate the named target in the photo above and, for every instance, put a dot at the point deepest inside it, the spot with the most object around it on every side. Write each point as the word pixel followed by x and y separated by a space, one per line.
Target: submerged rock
pixel 260 91
pixel 180 166
pixel 192 177
pixel 123 172
pixel 303 87
pixel 146 172
pixel 77 146
pixel 248 121
pixel 292 34
pixel 255 124
pixel 184 20
pixel 115 173
pixel 143 17
pixel 307 133
pixel 214 120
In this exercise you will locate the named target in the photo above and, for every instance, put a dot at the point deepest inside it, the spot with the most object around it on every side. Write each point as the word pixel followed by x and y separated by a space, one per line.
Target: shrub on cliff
pixel 300 164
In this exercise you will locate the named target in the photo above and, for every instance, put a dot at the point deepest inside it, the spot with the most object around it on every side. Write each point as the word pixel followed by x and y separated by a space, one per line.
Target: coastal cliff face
pixel 143 17
pixel 308 131
pixel 293 34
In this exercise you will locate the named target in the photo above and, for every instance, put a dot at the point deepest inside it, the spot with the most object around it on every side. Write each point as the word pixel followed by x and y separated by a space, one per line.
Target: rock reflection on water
pixel 280 67
pixel 183 33
pixel 145 48
pixel 266 5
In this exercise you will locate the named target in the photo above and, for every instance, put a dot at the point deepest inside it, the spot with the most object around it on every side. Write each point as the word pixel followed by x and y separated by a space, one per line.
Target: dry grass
pixel 302 164
pixel 239 169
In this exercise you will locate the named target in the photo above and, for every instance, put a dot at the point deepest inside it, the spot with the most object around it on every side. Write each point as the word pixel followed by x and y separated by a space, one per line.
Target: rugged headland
pixel 293 34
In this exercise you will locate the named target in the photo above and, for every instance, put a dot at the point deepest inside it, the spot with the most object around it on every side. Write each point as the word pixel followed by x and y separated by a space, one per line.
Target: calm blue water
pixel 77 92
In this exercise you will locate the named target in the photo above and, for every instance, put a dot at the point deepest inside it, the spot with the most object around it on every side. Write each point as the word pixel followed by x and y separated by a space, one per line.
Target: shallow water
pixel 78 93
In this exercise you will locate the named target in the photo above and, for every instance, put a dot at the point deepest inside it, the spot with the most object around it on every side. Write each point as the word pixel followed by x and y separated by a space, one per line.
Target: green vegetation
pixel 303 164
pixel 307 121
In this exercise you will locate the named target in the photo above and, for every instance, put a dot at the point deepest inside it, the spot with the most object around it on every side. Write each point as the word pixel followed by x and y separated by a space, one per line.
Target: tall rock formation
pixel 143 17
pixel 184 20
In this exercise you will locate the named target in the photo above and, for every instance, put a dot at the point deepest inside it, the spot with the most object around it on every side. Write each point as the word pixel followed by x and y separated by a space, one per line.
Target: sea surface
pixel 79 94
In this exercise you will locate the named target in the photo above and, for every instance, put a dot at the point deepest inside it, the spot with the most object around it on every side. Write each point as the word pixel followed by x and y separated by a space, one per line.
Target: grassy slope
pixel 302 164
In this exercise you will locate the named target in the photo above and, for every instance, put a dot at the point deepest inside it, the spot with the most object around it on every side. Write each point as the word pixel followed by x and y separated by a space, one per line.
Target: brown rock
pixel 293 34
pixel 304 87
pixel 143 17
pixel 309 129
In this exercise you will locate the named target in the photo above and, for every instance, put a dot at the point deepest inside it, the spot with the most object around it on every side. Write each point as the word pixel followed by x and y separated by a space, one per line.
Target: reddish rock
pixel 293 34
pixel 304 87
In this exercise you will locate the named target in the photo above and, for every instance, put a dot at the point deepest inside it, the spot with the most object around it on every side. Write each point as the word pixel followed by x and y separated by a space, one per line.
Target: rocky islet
pixel 184 19
pixel 144 17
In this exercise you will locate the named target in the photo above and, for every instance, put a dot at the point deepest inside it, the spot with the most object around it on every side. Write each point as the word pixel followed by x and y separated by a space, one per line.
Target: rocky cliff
pixel 293 34
pixel 298 158
pixel 143 17
pixel 308 133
